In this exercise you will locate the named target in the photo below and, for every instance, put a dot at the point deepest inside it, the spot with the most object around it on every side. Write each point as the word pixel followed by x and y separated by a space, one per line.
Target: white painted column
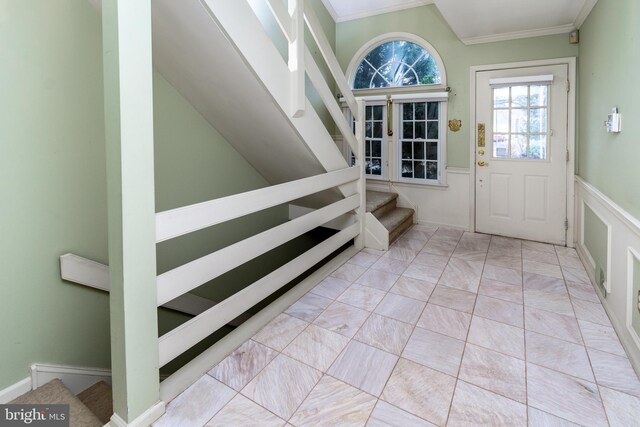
pixel 362 182
pixel 128 98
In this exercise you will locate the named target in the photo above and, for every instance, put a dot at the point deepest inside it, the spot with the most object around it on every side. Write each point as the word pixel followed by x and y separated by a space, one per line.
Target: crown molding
pixel 584 12
pixel 560 29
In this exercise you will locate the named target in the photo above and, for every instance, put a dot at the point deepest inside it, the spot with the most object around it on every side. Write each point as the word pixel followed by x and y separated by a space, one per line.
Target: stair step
pixel 55 392
pixel 98 398
pixel 379 202
pixel 397 222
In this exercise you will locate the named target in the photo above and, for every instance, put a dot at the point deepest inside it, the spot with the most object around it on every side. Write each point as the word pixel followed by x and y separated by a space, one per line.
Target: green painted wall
pixel 428 23
pixel 329 27
pixel 595 239
pixel 608 69
pixel 53 191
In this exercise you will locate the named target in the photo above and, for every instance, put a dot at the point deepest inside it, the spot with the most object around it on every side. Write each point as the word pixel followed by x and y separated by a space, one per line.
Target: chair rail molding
pixel 623 246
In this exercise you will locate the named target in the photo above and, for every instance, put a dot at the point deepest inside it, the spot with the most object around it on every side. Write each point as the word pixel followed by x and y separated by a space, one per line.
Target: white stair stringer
pixel 376 235
pixel 217 54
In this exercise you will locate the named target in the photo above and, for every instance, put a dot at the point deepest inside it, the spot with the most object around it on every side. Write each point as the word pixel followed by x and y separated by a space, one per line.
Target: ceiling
pixel 482 21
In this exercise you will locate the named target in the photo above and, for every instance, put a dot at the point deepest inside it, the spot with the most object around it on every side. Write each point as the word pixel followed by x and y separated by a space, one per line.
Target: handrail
pixel 175 342
pixel 296 58
pixel 315 27
pixel 196 273
pixel 318 81
pixel 83 271
pixel 283 19
pixel 187 219
pixel 290 22
pixel 177 222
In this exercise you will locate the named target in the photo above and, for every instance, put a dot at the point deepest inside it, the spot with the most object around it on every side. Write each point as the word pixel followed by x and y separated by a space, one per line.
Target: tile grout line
pixel 397 360
pixel 526 362
pixel 595 379
pixel 414 326
pixel 464 349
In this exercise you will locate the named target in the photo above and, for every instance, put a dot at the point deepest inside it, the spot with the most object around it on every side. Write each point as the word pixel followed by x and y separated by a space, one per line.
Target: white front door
pixel 521 152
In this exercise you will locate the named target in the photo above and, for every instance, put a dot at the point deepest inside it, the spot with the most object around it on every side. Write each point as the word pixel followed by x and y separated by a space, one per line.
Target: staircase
pixel 384 207
pixel 92 407
pixel 221 58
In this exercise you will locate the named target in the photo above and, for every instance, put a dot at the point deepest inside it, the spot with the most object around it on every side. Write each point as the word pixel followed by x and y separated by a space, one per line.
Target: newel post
pixel 362 181
pixel 128 101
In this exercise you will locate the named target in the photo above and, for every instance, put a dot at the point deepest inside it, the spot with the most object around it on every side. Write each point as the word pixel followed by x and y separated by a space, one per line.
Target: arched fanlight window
pixel 397 63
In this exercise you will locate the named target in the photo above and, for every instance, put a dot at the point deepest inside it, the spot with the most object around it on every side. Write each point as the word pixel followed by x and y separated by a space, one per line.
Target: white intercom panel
pixel 614 121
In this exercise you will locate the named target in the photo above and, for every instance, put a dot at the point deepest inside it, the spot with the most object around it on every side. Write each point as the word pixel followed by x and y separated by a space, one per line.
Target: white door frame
pixel 571 135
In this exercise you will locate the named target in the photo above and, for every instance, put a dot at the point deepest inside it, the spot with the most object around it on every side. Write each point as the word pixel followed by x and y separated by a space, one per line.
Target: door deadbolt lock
pixel 481 152
pixel 482 163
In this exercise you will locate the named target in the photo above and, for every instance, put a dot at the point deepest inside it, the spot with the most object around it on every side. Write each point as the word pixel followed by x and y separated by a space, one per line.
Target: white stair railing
pixel 350 180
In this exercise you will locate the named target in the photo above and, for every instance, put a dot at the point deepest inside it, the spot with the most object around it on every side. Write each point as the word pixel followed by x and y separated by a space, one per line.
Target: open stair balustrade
pixel 288 92
pixel 177 222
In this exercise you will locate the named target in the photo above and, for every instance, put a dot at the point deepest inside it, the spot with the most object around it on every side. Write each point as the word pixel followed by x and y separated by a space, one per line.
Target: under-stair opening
pixel 236 280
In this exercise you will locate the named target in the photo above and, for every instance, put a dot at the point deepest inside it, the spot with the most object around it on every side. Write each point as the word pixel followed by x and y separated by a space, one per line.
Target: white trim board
pixel 339 223
pixel 76 379
pixel 571 134
pixel 623 243
pixel 538 32
pixel 90 273
pixel 15 390
pixel 147 418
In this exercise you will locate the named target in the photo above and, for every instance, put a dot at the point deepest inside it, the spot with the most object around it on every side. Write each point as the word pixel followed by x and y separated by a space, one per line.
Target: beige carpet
pixel 98 399
pixel 55 392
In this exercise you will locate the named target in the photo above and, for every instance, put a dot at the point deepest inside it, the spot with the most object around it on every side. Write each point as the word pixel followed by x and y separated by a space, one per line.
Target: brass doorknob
pixel 482 163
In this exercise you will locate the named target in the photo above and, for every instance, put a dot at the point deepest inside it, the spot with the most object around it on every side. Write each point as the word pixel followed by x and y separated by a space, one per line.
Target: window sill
pixel 433 186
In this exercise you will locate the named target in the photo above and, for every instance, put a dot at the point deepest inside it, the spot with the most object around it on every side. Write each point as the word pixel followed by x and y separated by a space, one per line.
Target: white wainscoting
pixel 623 245
pixel 441 205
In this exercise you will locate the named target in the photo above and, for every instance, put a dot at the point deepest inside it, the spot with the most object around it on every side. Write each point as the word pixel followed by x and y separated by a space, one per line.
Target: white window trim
pixel 442 143
pixel 391 156
pixel 385 139
pixel 385 143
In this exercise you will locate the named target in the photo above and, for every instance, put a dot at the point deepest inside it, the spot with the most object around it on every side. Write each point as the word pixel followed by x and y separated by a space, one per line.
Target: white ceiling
pixel 347 10
pixel 482 21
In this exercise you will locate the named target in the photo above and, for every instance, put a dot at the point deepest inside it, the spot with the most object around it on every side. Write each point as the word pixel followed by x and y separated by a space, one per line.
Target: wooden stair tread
pixel 55 392
pixel 394 218
pixel 377 199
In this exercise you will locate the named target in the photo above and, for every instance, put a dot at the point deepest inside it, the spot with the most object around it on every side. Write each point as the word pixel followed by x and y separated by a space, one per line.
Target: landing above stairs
pixel 384 206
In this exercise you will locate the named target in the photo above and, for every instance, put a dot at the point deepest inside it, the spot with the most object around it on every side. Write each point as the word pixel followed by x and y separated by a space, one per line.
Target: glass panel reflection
pixel 501 146
pixel 407 169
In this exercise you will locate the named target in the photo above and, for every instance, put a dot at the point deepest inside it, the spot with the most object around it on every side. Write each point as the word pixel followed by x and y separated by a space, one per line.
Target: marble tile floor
pixel 446 328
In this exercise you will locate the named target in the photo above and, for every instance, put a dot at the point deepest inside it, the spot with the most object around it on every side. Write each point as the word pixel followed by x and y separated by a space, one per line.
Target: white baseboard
pixel 76 379
pixel 15 390
pixel 146 419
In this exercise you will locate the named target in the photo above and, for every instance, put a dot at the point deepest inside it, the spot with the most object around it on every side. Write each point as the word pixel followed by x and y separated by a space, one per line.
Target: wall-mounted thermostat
pixel 614 121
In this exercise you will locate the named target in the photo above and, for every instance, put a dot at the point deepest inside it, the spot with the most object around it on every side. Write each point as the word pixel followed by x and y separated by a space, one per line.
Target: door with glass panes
pixel 521 153
pixel 403 144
